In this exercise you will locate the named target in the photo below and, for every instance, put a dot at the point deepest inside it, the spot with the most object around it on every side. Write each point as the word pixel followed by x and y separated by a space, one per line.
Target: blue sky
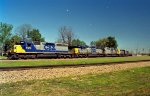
pixel 127 20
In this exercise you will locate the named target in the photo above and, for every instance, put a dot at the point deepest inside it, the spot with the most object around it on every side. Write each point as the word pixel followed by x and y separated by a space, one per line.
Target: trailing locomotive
pixel 32 50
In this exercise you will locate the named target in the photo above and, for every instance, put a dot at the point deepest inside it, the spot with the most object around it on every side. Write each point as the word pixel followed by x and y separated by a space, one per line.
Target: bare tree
pixel 66 35
pixel 62 31
pixel 70 36
pixel 23 31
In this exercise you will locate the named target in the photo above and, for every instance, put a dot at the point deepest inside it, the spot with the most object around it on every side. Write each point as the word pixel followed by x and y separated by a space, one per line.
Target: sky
pixel 127 20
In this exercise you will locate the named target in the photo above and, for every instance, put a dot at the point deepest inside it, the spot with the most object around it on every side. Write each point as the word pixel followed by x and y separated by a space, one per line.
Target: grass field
pixel 133 82
pixel 3 57
pixel 36 62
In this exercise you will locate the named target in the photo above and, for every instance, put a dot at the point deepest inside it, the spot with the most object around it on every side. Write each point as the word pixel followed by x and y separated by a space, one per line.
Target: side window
pixel 28 46
pixel 21 43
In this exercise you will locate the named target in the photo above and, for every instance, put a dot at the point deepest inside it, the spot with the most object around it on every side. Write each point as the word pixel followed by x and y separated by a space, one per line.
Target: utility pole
pixel 143 52
pixel 149 52
pixel 2 49
pixel 137 49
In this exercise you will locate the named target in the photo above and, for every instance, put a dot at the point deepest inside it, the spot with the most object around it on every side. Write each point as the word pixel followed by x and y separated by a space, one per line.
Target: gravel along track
pixel 19 75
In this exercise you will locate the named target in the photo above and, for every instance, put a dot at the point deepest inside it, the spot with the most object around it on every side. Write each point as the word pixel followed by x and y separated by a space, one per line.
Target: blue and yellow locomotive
pixel 34 50
pixel 28 49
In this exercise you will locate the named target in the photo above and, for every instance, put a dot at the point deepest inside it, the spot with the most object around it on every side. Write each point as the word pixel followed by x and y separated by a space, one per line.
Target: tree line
pixel 23 32
pixel 66 36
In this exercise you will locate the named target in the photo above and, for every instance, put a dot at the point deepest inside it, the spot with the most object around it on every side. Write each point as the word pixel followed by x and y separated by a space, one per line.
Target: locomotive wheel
pixel 58 56
pixel 33 56
pixel 13 57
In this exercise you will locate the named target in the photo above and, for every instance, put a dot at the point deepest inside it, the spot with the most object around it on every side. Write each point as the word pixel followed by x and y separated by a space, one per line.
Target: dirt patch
pixel 14 76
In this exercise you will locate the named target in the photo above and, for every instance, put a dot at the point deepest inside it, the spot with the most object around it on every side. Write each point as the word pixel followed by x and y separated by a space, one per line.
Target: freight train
pixel 26 49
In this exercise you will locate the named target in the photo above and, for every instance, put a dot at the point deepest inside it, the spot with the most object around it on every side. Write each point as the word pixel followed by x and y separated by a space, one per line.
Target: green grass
pixel 3 57
pixel 133 82
pixel 11 63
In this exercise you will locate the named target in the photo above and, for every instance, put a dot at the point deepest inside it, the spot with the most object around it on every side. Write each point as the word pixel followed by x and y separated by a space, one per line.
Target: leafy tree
pixel 102 44
pixel 76 42
pixel 112 43
pixel 109 42
pixel 42 39
pixel 93 43
pixel 82 43
pixel 15 39
pixel 24 30
pixel 35 35
pixel 5 33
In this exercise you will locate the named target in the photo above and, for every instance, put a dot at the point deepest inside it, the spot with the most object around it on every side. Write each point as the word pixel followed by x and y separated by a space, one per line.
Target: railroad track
pixel 3 59
pixel 64 66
